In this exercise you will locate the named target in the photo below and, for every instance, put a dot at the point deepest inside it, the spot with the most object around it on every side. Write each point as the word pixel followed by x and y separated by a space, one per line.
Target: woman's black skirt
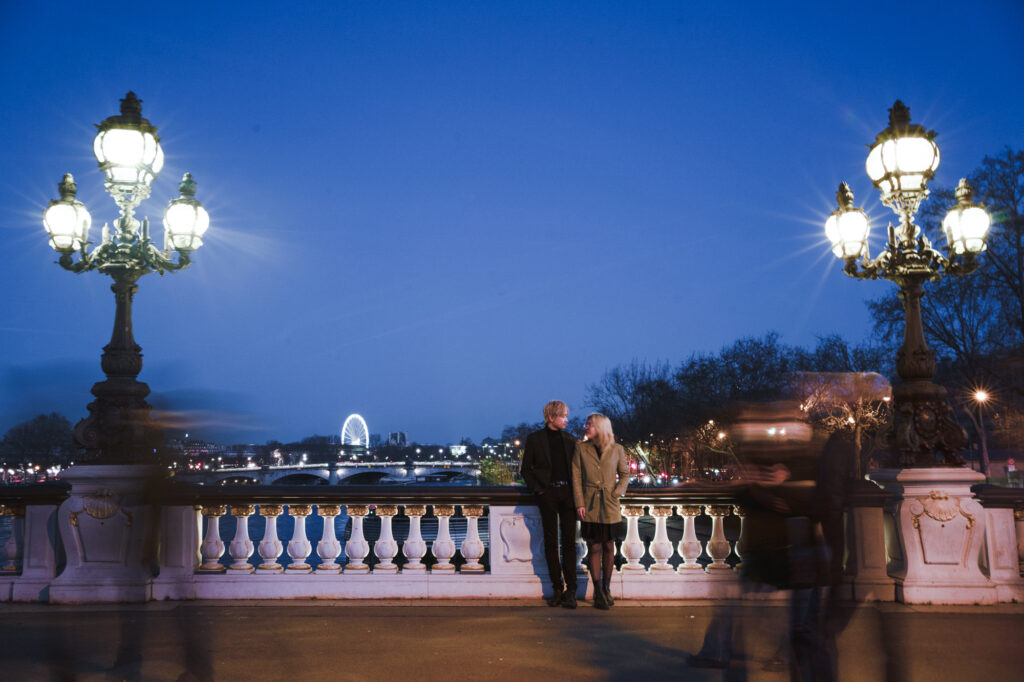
pixel 601 532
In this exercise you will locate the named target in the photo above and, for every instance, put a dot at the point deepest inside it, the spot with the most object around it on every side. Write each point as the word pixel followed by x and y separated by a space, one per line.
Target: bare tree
pixel 859 402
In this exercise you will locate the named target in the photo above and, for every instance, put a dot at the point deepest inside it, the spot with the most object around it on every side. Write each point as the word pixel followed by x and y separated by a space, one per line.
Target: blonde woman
pixel 597 462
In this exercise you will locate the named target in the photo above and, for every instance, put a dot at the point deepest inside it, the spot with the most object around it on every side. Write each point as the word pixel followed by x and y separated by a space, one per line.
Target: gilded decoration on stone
pixel 415 509
pixel 358 510
pixel 940 507
pixel 387 510
pixel 271 509
pixel 328 509
pixel 690 510
pixel 718 509
pixel 241 510
pixel 300 509
pixel 444 509
pixel 472 510
pixel 1018 514
pixel 661 512
pixel 738 510
pixel 101 505
pixel 633 511
pixel 215 510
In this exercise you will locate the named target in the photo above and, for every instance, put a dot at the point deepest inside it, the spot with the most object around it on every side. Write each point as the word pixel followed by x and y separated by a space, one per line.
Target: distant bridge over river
pixel 350 473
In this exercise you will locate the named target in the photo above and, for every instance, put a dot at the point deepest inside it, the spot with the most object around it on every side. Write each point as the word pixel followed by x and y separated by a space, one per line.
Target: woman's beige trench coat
pixel 593 482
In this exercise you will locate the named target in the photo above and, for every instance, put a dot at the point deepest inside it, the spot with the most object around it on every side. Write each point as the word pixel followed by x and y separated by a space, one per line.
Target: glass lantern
pixel 66 219
pixel 966 225
pixel 904 156
pixel 847 227
pixel 185 219
pixel 128 150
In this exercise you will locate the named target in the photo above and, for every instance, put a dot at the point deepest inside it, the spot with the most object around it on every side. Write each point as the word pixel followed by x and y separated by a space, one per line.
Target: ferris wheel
pixel 354 432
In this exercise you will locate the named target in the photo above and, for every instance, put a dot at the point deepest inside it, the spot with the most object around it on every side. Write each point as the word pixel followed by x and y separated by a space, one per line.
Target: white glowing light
pixel 354 431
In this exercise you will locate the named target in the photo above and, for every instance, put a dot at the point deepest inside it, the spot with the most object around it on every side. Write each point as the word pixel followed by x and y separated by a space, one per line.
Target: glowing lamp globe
pixel 185 219
pixel 966 225
pixel 904 156
pixel 847 228
pixel 127 147
pixel 66 219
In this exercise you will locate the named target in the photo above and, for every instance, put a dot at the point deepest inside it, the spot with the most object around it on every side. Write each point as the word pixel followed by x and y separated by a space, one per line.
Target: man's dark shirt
pixel 559 464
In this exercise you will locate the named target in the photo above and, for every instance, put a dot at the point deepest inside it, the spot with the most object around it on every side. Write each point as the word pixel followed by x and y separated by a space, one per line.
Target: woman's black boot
pixel 600 600
pixel 606 586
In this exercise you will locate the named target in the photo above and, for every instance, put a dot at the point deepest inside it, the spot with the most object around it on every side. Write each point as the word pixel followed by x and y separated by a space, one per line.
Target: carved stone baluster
pixel 472 547
pixel 212 548
pixel 357 547
pixel 718 546
pixel 741 512
pixel 444 548
pixel 633 547
pixel 241 547
pixel 270 547
pixel 299 546
pixel 581 550
pixel 386 548
pixel 661 547
pixel 414 547
pixel 328 548
pixel 689 546
pixel 14 548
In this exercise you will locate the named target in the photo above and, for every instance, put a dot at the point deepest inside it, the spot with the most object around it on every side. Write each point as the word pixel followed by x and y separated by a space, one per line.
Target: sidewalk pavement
pixel 481 640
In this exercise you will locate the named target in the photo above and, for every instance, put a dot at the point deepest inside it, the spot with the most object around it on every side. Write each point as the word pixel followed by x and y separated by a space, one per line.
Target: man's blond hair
pixel 556 408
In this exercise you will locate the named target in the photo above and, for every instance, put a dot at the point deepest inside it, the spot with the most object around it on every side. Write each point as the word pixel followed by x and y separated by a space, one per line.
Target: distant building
pixel 193 447
pixel 398 439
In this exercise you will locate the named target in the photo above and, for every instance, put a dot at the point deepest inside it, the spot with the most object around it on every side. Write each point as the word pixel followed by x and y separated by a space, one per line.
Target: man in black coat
pixel 547 466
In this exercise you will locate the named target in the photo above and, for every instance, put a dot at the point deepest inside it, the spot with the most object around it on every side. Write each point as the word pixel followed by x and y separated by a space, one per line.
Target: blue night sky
pixel 443 215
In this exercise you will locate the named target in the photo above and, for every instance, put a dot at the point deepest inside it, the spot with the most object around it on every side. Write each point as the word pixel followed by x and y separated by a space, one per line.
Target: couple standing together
pixel 577 480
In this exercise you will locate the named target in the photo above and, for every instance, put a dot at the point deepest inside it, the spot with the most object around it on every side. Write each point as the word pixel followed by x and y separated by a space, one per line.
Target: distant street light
pixel 900 163
pixel 118 428
pixel 981 397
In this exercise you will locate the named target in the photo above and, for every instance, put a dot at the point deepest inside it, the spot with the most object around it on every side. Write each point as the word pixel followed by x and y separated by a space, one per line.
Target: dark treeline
pixel 645 400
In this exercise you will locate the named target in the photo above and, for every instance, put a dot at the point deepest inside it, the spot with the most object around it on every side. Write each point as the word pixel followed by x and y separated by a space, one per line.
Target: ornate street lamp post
pixel 118 429
pixel 900 163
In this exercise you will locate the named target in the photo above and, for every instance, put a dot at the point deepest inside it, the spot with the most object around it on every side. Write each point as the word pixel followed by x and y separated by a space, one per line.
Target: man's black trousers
pixel 557 512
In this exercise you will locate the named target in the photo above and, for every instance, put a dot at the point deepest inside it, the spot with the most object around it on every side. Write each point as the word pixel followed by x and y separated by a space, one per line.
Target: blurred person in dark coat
pixel 791 488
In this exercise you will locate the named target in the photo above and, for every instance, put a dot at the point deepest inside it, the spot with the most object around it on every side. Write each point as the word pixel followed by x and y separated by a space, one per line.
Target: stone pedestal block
pixel 108 535
pixel 936 536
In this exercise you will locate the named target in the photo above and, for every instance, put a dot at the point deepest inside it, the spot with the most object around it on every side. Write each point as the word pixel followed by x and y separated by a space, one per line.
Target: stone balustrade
pixel 371 542
pixel 277 542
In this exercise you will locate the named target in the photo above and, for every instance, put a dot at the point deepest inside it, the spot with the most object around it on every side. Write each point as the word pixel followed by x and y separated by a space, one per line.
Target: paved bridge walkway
pixel 497 640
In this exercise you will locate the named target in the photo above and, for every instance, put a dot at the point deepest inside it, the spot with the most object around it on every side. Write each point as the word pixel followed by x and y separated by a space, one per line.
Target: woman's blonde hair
pixel 603 424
